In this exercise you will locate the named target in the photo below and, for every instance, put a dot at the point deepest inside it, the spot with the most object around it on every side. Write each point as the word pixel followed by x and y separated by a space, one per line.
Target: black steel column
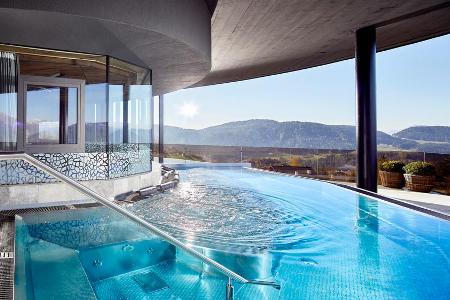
pixel 366 121
pixel 161 129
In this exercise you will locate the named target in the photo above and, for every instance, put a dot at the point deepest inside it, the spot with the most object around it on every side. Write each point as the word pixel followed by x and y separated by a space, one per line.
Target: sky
pixel 413 88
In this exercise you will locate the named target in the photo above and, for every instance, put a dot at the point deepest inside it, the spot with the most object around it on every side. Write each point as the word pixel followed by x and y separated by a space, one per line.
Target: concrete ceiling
pixel 254 38
pixel 185 46
pixel 172 37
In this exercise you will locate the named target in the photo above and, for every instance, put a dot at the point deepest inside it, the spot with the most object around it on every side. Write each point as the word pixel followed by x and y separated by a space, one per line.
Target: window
pixel 8 101
pixel 52 114
pixel 130 97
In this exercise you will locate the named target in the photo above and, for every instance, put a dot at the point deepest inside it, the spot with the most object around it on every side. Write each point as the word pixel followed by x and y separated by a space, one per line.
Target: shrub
pixel 392 166
pixel 419 168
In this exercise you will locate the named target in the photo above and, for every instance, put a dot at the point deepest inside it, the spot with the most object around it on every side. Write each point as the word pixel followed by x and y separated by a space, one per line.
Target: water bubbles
pixel 97 263
pixel 224 216
pixel 128 248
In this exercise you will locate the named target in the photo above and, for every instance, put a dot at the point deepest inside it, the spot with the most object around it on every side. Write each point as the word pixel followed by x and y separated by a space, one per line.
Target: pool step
pixel 189 283
pixel 191 280
pixel 57 273
pixel 176 278
pixel 102 262
pixel 171 279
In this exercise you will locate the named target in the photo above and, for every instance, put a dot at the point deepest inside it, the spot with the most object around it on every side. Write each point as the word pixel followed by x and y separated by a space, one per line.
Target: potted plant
pixel 419 176
pixel 391 173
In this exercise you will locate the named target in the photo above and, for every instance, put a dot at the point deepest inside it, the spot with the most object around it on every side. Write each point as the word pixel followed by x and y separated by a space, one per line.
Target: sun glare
pixel 188 110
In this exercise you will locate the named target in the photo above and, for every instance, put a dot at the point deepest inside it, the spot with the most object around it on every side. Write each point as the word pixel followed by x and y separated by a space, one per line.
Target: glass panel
pixel 155 123
pixel 43 113
pixel 51 116
pixel 95 116
pixel 59 64
pixel 413 117
pixel 8 101
pixel 115 114
pixel 139 117
pixel 130 119
pixel 72 116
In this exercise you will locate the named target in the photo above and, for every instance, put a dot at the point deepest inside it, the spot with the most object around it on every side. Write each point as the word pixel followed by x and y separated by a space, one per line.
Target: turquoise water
pixel 317 240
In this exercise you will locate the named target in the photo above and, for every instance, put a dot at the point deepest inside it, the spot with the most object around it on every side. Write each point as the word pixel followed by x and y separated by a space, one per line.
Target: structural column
pixel 366 122
pixel 161 129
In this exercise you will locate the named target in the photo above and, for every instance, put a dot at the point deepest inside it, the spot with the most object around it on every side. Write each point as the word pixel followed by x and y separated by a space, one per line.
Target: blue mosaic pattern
pixel 121 160
pixel 83 228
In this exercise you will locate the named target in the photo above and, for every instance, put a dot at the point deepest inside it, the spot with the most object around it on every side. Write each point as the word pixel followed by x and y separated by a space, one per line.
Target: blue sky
pixel 413 88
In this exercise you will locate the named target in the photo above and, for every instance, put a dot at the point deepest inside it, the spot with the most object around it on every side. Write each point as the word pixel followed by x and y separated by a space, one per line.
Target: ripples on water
pixel 218 216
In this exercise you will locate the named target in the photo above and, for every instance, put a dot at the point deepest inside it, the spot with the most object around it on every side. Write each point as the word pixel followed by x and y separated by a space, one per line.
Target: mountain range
pixel 294 134
pixel 270 133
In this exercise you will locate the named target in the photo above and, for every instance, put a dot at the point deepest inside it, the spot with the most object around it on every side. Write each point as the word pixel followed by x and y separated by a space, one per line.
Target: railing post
pixel 230 290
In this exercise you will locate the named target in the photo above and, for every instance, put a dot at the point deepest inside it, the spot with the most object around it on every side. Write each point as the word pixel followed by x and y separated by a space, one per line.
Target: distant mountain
pixel 426 133
pixel 269 133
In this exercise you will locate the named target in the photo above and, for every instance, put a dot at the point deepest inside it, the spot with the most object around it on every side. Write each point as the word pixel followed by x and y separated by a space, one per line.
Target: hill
pixel 269 133
pixel 426 133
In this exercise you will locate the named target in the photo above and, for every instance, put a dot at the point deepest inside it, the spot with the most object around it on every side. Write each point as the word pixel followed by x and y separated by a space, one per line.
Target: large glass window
pixel 96 125
pixel 130 117
pixel 413 116
pixel 66 102
pixel 51 115
pixel 139 116
pixel 129 103
pixel 298 123
pixel 8 101
pixel 53 111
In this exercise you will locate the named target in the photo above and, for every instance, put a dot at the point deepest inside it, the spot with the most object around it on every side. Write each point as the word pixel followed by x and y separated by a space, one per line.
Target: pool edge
pixel 370 194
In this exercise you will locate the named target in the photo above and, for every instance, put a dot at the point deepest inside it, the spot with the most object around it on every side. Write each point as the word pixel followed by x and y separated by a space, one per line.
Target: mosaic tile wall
pixel 129 159
pixel 104 228
pixel 121 160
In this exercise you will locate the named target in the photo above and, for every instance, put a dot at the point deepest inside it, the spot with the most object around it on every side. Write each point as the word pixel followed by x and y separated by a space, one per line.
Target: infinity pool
pixel 319 241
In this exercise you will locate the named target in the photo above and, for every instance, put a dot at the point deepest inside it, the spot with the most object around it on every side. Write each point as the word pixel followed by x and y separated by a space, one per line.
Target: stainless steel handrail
pixel 90 193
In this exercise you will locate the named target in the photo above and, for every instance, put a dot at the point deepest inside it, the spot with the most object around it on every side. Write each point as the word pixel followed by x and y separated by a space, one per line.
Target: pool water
pixel 319 241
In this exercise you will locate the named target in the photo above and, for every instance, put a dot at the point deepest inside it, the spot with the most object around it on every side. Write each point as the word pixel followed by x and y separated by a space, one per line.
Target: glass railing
pixel 96 248
pixel 336 165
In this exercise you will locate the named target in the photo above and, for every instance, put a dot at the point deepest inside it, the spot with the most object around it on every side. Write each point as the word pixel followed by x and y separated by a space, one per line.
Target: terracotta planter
pixel 419 183
pixel 447 180
pixel 392 179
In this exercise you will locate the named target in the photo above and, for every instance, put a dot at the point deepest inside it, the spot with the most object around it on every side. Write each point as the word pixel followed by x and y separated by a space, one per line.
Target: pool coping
pixel 370 194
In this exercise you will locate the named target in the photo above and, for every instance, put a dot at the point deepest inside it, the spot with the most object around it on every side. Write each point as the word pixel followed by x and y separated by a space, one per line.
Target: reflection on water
pixel 228 218
pixel 314 238
pixel 368 224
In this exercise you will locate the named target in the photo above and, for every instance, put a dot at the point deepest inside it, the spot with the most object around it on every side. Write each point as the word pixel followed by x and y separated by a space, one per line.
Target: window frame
pixel 24 81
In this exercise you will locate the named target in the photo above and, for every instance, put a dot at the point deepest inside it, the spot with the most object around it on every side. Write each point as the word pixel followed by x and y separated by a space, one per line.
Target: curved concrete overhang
pixel 171 37
pixel 252 39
